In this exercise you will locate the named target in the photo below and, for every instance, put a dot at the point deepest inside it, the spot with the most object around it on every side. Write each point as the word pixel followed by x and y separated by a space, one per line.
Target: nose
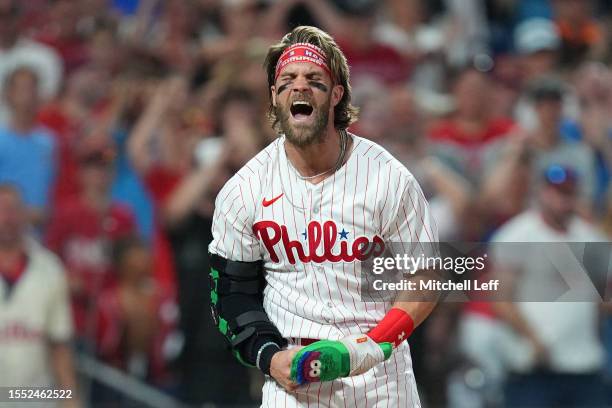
pixel 300 84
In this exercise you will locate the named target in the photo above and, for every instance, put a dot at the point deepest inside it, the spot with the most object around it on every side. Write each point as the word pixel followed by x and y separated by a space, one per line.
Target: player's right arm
pixel 408 225
pixel 237 283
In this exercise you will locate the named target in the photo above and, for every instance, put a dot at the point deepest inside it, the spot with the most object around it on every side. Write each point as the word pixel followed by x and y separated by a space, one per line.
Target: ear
pixel 273 94
pixel 336 94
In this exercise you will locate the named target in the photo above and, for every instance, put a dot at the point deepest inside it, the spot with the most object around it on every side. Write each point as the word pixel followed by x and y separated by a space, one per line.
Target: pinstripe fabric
pixel 372 195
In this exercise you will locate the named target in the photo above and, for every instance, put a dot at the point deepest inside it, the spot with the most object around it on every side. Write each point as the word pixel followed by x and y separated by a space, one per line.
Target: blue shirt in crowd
pixel 28 161
pixel 128 188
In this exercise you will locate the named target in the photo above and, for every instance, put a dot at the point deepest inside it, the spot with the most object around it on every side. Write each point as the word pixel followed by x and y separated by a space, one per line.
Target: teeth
pixel 301 103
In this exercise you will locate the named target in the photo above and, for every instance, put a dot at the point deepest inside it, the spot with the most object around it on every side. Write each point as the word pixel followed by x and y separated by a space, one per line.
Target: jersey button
pixel 330 304
pixel 315 210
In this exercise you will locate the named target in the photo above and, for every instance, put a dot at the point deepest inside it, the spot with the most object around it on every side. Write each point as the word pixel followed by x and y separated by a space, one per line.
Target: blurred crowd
pixel 120 120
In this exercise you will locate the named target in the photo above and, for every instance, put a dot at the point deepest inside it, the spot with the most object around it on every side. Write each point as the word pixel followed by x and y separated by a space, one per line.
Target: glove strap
pixel 264 356
pixel 394 328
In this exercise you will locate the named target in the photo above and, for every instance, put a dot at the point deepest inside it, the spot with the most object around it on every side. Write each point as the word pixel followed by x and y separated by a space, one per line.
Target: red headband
pixel 301 52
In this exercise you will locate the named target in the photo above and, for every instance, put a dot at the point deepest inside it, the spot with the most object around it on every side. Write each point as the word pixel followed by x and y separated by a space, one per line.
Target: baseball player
pixel 291 230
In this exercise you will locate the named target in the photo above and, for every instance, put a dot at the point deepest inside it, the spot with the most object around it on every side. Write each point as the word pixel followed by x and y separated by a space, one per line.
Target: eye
pixel 319 85
pixel 315 369
pixel 282 87
pixel 314 373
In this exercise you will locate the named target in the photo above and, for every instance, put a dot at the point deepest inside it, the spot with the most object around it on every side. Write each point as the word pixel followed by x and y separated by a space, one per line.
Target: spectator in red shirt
pixel 471 123
pixel 72 117
pixel 61 33
pixel 461 139
pixel 136 317
pixel 82 230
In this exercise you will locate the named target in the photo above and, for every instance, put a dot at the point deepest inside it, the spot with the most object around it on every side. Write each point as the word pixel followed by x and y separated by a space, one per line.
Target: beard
pixel 302 135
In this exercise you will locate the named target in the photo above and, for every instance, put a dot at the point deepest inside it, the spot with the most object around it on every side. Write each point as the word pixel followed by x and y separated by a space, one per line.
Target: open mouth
pixel 301 110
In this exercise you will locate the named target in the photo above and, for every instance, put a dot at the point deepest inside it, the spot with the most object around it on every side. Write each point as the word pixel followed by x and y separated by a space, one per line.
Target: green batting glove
pixel 327 360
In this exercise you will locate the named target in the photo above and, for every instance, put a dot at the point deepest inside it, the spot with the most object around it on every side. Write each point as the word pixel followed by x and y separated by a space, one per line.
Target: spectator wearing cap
pixel 82 231
pixel 27 150
pixel 552 349
pixel 513 168
pixel 16 51
pixel 35 320
pixel 547 141
pixel 537 42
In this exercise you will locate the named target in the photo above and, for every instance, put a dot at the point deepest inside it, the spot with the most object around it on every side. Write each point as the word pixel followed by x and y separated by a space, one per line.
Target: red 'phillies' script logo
pixel 19 332
pixel 324 235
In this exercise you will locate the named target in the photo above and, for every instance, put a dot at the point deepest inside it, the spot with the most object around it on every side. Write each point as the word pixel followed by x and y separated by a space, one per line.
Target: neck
pixel 134 283
pixel 22 123
pixel 472 118
pixel 317 158
pixel 7 42
pixel 96 199
pixel 10 254
pixel 548 138
pixel 559 225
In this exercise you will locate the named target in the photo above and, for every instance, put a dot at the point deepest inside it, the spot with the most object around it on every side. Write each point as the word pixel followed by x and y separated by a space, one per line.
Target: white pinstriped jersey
pixel 310 236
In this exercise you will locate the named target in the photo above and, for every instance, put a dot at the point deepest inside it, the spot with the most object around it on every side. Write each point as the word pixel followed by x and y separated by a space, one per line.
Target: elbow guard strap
pixel 237 309
pixel 394 328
